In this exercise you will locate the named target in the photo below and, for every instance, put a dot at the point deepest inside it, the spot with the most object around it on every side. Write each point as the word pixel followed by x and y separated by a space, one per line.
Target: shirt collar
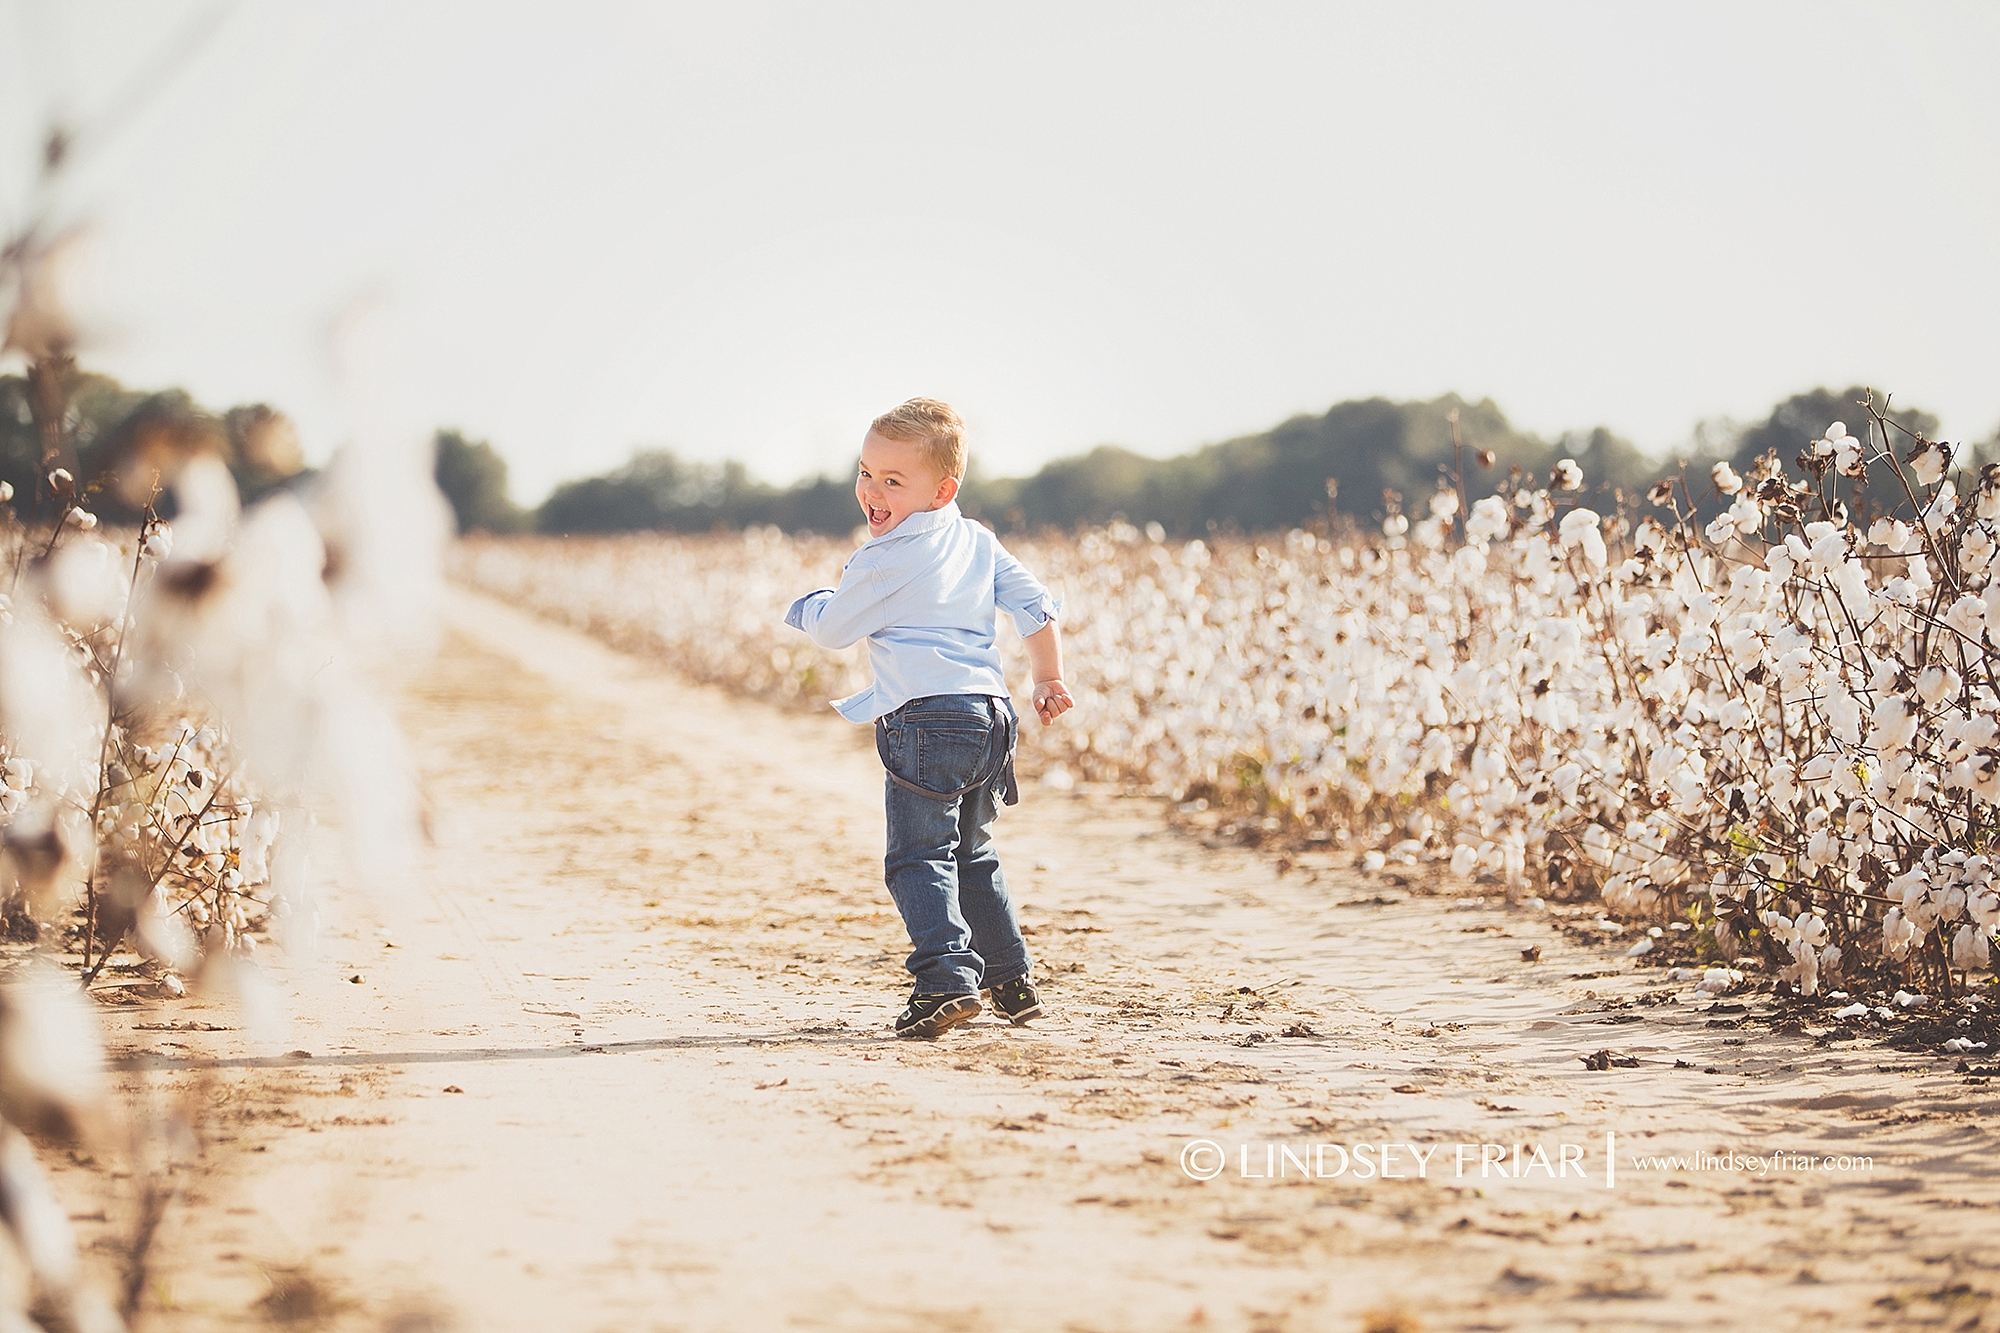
pixel 928 520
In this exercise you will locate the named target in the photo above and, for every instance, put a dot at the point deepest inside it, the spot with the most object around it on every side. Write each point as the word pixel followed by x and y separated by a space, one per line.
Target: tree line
pixel 103 428
pixel 1357 461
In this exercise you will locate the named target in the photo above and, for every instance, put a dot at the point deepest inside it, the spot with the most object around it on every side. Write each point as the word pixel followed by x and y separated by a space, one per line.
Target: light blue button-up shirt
pixel 925 595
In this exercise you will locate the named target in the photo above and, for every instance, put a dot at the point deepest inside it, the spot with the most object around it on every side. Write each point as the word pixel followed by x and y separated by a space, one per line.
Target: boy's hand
pixel 1052 700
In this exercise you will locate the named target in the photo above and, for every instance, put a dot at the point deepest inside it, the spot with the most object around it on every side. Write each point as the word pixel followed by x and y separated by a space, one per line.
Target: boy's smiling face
pixel 896 481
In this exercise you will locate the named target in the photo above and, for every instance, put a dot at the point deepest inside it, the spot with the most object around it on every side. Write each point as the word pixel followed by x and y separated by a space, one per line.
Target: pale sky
pixel 740 230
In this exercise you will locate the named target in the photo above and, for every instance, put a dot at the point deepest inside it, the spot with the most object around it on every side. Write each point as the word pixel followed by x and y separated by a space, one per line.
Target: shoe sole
pixel 944 1020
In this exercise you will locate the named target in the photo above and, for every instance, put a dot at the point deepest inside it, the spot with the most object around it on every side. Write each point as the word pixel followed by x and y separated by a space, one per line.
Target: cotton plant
pixel 173 712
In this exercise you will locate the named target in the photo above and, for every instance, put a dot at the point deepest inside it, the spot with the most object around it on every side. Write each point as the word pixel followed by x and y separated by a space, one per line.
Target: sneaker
pixel 935 1015
pixel 1016 1000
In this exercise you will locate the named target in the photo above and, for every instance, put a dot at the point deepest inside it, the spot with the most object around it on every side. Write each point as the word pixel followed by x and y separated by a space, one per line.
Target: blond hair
pixel 934 427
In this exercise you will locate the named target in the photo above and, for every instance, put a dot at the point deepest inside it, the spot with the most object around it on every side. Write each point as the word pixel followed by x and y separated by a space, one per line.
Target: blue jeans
pixel 950 762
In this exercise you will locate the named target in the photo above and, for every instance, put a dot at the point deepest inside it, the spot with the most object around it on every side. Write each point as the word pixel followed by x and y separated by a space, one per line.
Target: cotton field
pixel 1775 724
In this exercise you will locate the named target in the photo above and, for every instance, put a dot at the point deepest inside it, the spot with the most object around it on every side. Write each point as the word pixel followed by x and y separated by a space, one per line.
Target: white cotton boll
pixel 1979 775
pixel 1850 583
pixel 1894 724
pixel 1641 949
pixel 1929 461
pixel 1778 559
pixel 159 543
pixel 1719 981
pixel 1828 549
pixel 1464 859
pixel 89 583
pixel 1961 732
pixel 207 507
pixel 1395 525
pixel 1444 504
pixel 1941 508
pixel 1488 520
pixel 49 1049
pixel 1747 514
pixel 1975 552
pixel 1468 564
pixel 1967 616
pixel 1807 962
pixel 1649 536
pixel 1983 906
pixel 1969 949
pixel 1725 479
pixel 1936 683
pixel 1856 1010
pixel 1911 1000
pixel 47 705
pixel 259 832
pixel 1570 531
pixel 1796 671
pixel 1990 601
pixel 1782 788
pixel 1702 611
pixel 1894 534
pixel 1843 713
pixel 1568 476
pixel 1847 456
pixel 1912 887
pixel 1373 861
pixel 1898 934
pixel 1688 793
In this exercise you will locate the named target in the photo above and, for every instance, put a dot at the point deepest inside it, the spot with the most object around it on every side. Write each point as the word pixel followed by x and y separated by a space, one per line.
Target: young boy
pixel 923 590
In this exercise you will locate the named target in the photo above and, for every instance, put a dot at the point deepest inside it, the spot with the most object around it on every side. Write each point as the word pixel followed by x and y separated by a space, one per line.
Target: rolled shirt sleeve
pixel 1020 594
pixel 796 617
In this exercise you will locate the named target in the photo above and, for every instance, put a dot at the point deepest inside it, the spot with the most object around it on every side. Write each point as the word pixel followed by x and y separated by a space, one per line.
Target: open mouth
pixel 877 517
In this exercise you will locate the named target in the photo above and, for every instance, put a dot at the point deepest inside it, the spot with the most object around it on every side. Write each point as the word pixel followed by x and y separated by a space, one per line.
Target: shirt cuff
pixel 796 617
pixel 1036 615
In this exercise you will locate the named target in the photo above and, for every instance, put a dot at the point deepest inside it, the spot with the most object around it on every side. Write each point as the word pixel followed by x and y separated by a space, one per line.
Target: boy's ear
pixel 947 491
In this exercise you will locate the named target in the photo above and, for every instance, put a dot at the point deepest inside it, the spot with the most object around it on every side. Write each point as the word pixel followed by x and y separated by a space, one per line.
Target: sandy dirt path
pixel 619 1059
